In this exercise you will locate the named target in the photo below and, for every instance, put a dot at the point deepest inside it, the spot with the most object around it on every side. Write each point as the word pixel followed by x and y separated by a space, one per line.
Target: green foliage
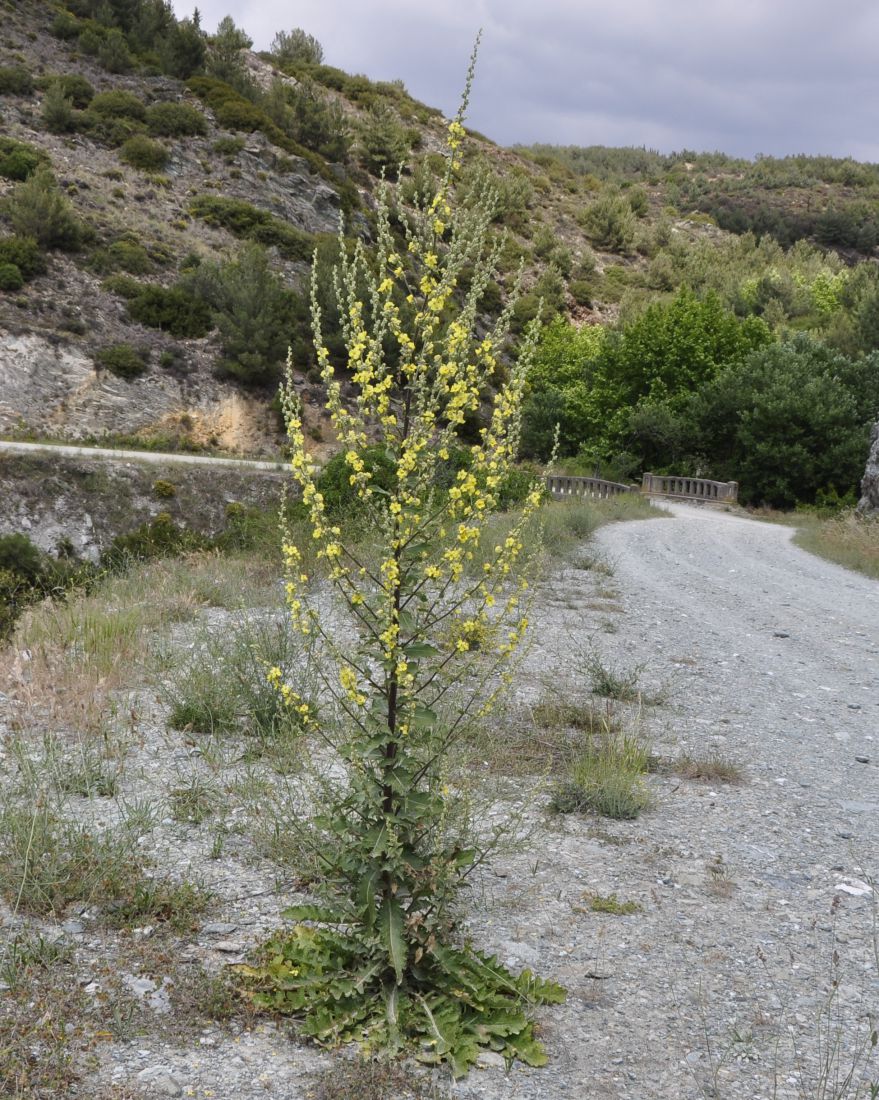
pixel 118 104
pixel 73 87
pixel 459 1003
pixel 250 223
pixel 57 110
pixel 340 496
pixel 610 223
pixel 159 538
pixel 114 54
pixel 309 118
pixel 18 160
pixel 11 277
pixel 384 141
pixel 23 253
pixel 140 152
pixel 791 420
pixel 296 47
pixel 122 359
pixel 255 314
pixel 15 80
pixel 18 555
pixel 38 209
pixel 175 120
pixel 182 50
pixel 228 146
pixel 174 309
pixel 122 255
pixel 164 490
pixel 606 777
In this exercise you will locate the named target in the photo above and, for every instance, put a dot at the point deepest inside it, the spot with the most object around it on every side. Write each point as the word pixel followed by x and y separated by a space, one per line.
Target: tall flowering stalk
pixel 429 615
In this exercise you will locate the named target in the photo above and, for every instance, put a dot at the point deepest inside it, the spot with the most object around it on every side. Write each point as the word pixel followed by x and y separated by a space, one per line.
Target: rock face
pixel 868 505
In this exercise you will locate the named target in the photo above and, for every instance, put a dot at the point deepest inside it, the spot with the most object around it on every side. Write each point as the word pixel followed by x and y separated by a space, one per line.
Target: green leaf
pixel 420 649
pixel 366 897
pixel 391 928
pixel 423 719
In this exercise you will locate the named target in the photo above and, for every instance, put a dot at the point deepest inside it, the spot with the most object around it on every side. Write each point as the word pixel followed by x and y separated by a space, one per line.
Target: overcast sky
pixel 742 76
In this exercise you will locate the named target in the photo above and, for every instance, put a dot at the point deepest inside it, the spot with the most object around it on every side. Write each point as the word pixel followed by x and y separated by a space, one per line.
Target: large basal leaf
pixel 391 930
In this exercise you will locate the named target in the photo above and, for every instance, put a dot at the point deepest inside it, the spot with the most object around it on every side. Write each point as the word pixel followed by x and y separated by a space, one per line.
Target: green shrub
pixel 610 223
pixel 296 48
pixel 114 54
pixel 173 309
pixel 228 146
pixel 239 115
pixel 164 490
pixel 38 209
pixel 75 87
pixel 57 111
pixel 65 26
pixel 124 286
pixel 15 80
pixel 18 555
pixel 118 104
pixel 140 152
pixel 11 277
pixel 384 141
pixel 175 120
pixel 251 223
pixel 123 255
pixel 23 253
pixel 18 160
pixel 122 359
pixel 160 538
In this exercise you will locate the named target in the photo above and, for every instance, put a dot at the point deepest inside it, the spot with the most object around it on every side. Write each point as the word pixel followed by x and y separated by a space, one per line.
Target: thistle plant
pixel 379 961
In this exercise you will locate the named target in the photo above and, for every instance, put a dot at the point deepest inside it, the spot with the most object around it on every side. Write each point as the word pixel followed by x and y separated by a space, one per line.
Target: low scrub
pixel 248 222
pixel 175 120
pixel 16 80
pixel 141 152
pixel 122 359
pixel 18 159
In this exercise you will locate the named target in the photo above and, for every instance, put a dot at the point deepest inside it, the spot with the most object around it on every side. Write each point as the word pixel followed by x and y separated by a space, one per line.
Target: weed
pixel 176 905
pixel 712 768
pixel 613 683
pixel 28 952
pixel 607 777
pixel 194 801
pixel 720 881
pixel 610 904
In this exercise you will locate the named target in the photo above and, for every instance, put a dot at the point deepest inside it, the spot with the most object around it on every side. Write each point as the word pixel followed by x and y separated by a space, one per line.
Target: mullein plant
pixel 378 961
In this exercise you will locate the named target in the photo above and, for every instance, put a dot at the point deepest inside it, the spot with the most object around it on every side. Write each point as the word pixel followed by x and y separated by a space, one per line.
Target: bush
pixel 228 146
pixel 385 143
pixel 175 120
pixel 610 223
pixel 123 255
pixel 74 87
pixel 19 556
pixel 114 54
pixel 18 160
pixel 251 223
pixel 65 26
pixel 14 80
pixel 39 210
pixel 172 309
pixel 57 111
pixel 23 253
pixel 118 104
pixel 140 152
pixel 122 360
pixel 10 277
pixel 254 313
pixel 160 538
pixel 239 114
pixel 296 48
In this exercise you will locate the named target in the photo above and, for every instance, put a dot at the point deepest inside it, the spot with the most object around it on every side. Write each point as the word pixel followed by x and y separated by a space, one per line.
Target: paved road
pixel 156 457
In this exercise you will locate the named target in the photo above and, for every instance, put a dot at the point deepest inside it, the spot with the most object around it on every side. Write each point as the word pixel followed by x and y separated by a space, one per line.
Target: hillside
pixel 178 185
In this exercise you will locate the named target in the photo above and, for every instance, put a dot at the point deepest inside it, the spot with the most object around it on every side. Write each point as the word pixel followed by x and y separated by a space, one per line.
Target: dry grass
pixel 848 540
pixel 714 767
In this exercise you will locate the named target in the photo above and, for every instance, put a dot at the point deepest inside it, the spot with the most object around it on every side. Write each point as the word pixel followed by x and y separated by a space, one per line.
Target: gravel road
pixel 155 457
pixel 751 899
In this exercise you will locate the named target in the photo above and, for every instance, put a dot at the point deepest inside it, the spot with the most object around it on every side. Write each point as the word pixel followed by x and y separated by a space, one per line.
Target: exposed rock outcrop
pixel 868 505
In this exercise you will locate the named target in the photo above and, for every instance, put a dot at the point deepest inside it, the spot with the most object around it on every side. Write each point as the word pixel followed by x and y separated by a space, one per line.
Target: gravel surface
pixel 752 898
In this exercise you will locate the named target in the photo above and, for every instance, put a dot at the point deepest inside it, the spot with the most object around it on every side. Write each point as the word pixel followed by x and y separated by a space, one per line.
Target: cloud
pixel 743 76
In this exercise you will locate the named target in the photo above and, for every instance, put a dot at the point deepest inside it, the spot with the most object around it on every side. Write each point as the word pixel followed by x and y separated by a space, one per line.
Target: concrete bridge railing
pixel 690 488
pixel 593 488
